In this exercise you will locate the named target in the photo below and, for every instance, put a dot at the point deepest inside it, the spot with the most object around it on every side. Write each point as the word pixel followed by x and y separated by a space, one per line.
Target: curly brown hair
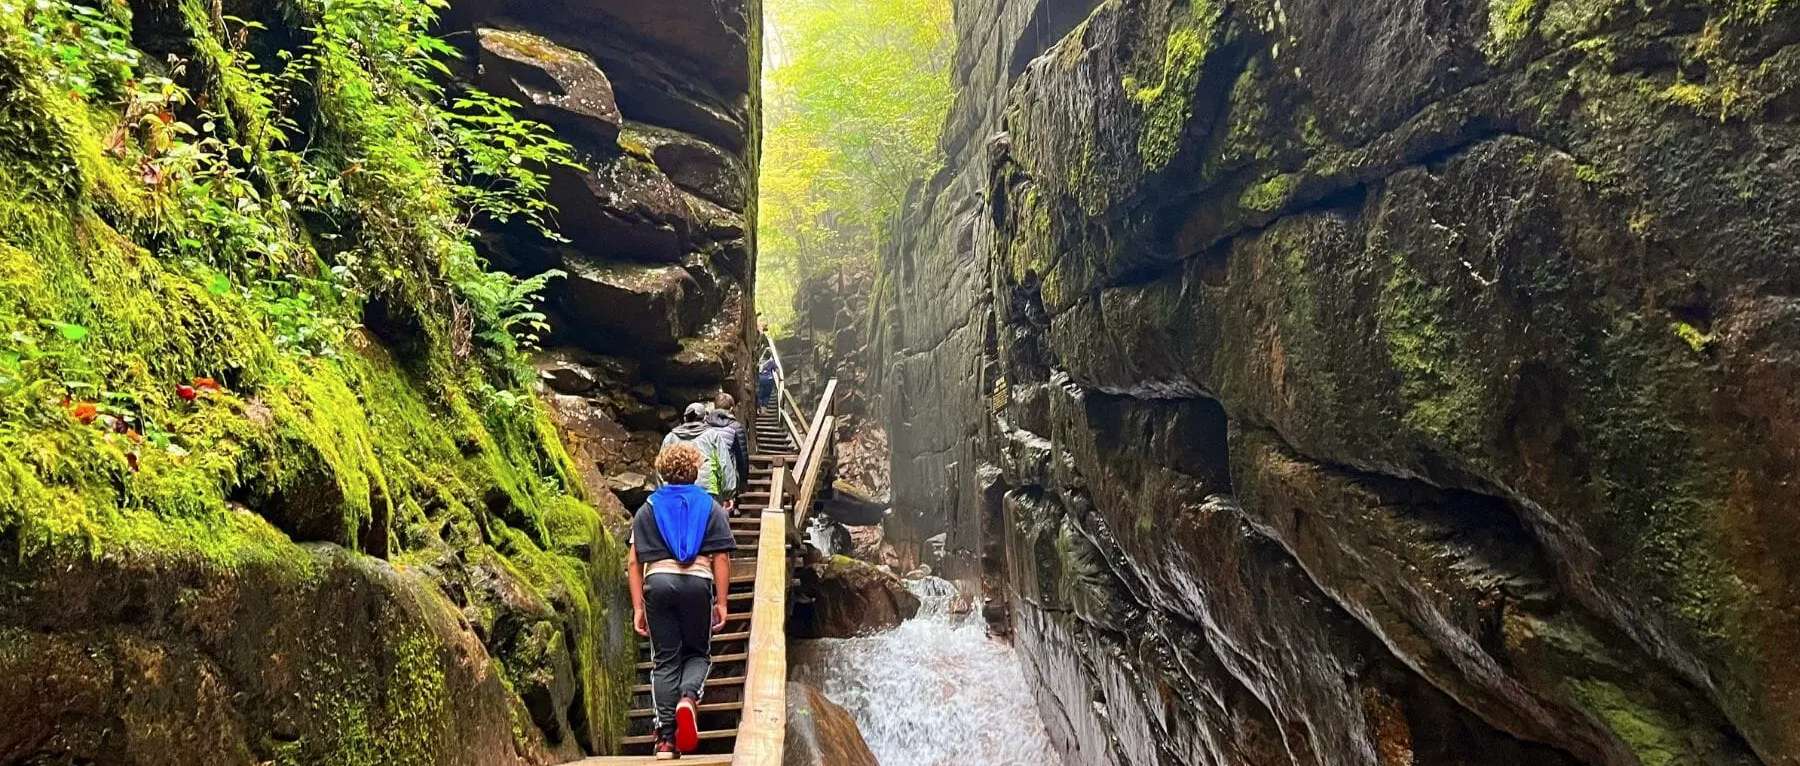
pixel 679 463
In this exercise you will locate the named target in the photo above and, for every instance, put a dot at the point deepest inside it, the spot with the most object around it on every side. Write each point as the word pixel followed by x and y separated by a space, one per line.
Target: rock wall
pixel 661 101
pixel 1374 382
pixel 829 338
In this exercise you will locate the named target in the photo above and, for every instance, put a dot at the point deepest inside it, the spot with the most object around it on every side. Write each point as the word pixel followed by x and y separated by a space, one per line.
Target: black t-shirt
pixel 649 539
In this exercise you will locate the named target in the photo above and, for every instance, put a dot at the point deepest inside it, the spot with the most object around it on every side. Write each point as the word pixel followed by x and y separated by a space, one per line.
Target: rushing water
pixel 935 691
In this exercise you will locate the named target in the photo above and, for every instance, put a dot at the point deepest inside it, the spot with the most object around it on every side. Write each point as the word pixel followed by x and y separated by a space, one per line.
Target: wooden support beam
pixel 816 437
pixel 809 483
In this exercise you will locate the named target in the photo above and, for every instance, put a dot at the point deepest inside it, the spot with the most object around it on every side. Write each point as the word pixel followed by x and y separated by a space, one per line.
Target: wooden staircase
pixel 721 710
pixel 743 716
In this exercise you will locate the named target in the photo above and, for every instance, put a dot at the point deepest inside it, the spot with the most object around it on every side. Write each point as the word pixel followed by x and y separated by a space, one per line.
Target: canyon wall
pixel 282 478
pixel 661 101
pixel 1376 382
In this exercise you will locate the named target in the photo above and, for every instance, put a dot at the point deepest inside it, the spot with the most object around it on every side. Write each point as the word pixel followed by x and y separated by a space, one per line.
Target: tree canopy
pixel 855 94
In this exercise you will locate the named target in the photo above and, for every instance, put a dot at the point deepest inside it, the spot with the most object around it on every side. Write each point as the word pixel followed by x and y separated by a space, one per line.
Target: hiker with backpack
pixel 718 470
pixel 736 437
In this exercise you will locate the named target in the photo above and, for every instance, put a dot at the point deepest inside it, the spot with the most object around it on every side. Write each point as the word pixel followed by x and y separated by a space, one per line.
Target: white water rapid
pixel 935 691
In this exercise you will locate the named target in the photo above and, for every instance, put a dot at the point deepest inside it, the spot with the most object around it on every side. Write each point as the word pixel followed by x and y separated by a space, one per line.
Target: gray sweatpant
pixel 679 610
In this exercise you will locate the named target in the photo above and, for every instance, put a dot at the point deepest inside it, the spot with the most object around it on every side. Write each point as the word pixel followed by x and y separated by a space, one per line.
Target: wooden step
pixel 650 739
pixel 717 659
pixel 705 707
pixel 711 683
pixel 721 638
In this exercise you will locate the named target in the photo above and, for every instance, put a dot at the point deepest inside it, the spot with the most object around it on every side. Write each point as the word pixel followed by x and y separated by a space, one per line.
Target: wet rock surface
pixel 850 597
pixel 1423 379
pixel 557 86
pixel 820 733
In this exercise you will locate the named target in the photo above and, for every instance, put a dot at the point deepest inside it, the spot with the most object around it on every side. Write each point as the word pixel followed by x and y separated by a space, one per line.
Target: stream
pixel 935 691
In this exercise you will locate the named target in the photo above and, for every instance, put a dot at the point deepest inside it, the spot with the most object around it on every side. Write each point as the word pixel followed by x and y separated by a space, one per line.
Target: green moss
pixel 1696 339
pixel 1168 105
pixel 592 592
pixel 135 259
pixel 1444 396
pixel 1510 21
pixel 1752 11
pixel 634 145
pixel 1655 740
pixel 374 719
pixel 1270 195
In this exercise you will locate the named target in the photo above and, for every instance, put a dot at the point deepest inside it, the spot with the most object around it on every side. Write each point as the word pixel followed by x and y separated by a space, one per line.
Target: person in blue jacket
pixel 679 569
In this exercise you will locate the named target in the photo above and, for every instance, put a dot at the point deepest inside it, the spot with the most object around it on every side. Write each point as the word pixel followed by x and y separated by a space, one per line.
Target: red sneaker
pixel 687 725
pixel 665 750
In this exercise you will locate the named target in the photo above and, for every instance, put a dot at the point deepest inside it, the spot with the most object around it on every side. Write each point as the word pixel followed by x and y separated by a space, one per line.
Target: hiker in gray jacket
pixel 737 439
pixel 718 475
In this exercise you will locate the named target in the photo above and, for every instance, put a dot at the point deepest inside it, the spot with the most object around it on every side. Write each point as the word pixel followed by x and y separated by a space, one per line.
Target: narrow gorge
pixel 1123 382
pixel 1374 382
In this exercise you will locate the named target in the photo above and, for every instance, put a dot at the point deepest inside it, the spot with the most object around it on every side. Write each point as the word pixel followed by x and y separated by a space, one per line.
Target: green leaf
pixel 72 332
pixel 218 284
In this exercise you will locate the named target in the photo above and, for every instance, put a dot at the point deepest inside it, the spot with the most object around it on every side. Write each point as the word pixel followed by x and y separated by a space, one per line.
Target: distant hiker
pixel 680 571
pixel 717 474
pixel 765 382
pixel 725 420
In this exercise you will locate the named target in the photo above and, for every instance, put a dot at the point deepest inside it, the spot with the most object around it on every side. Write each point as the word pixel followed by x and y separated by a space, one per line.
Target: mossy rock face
pixel 1491 306
pixel 307 655
pixel 275 486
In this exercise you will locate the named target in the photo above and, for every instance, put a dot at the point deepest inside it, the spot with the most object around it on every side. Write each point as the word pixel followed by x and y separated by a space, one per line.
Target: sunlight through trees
pixel 855 95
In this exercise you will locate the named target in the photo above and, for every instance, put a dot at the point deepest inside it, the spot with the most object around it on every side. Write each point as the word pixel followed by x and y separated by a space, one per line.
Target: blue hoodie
pixel 683 514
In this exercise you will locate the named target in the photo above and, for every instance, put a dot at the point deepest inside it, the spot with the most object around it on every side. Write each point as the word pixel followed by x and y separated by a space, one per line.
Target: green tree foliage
pixel 855 94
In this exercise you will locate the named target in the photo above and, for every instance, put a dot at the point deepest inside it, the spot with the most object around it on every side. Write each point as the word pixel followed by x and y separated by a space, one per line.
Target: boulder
pixel 854 505
pixel 560 87
pixel 514 620
pixel 632 488
pixel 870 544
pixel 707 357
pixel 621 208
pixel 820 733
pixel 852 598
pixel 308 647
pixel 566 377
pixel 625 308
pixel 697 166
pixel 598 444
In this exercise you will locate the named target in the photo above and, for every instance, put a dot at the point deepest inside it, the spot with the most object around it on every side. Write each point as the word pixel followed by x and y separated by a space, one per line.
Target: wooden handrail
pixel 815 434
pixel 784 403
pixel 762 730
pixel 809 482
pixel 795 416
